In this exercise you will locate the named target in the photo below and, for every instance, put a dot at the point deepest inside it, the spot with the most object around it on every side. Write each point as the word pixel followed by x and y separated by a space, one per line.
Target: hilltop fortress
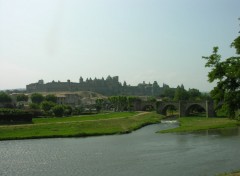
pixel 109 86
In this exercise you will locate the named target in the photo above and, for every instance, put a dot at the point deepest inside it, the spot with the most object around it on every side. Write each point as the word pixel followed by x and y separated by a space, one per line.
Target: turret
pixel 80 80
pixel 41 81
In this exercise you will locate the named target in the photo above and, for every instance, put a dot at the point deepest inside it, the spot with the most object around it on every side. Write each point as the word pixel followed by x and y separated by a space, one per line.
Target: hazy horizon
pixel 137 40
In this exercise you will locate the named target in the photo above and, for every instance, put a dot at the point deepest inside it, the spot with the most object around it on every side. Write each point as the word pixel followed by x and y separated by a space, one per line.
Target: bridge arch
pixel 184 107
pixel 169 106
pixel 162 107
pixel 195 108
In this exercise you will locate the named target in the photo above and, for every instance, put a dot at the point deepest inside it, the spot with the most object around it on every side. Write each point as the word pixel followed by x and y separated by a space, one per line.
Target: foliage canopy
pixel 22 97
pixel 37 98
pixel 227 74
pixel 5 98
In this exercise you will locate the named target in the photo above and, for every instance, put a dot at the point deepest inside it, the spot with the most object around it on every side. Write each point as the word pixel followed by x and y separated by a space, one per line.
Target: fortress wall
pixel 110 86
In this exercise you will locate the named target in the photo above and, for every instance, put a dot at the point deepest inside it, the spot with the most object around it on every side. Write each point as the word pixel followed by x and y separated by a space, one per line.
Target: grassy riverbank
pixel 79 126
pixel 190 124
pixel 236 173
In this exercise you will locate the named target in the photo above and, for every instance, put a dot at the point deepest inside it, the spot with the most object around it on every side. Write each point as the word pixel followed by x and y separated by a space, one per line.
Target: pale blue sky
pixel 138 40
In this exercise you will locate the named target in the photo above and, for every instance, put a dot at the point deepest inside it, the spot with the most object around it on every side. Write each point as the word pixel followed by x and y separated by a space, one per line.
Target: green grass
pixel 84 117
pixel 114 123
pixel 190 124
pixel 235 173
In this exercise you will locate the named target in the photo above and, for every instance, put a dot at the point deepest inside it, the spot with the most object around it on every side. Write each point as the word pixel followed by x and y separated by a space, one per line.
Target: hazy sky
pixel 138 40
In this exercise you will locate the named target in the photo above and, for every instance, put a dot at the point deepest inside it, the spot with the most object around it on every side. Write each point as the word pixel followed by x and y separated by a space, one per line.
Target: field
pixel 80 126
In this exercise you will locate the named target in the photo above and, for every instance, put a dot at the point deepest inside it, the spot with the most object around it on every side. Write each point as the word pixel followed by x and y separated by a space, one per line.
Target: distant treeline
pixel 180 93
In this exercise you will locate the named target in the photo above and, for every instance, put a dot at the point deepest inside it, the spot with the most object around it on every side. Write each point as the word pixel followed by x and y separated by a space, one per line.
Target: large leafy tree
pixel 167 92
pixel 227 75
pixel 180 93
pixel 194 94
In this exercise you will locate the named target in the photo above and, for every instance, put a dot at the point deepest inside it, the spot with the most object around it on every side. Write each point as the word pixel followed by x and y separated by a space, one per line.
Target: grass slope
pixel 189 124
pixel 113 123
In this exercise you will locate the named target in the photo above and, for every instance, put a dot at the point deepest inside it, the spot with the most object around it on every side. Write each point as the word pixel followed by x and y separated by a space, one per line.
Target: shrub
pixel 58 110
pixel 67 110
pixel 47 105
pixel 34 106
pixel 78 110
pixel 15 115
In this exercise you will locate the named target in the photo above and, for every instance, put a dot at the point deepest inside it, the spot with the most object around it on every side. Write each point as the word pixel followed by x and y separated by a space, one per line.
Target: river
pixel 141 153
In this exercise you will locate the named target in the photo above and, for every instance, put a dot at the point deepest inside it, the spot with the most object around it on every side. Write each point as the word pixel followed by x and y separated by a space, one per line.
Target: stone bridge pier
pixel 183 107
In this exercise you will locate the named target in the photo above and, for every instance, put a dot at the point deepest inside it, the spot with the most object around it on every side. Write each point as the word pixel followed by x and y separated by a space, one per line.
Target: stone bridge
pixel 144 105
pixel 184 107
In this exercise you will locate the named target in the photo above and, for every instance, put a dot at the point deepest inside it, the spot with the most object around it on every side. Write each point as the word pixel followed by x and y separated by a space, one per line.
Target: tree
pixel 130 102
pixel 194 94
pixel 151 99
pixel 5 98
pixel 122 103
pixel 167 92
pixel 51 98
pixel 58 110
pixel 114 102
pixel 47 105
pixel 155 88
pixel 99 104
pixel 180 94
pixel 22 97
pixel 227 75
pixel 37 98
pixel 67 110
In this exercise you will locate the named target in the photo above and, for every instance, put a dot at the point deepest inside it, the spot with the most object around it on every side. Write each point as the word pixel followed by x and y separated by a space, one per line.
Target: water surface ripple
pixel 141 153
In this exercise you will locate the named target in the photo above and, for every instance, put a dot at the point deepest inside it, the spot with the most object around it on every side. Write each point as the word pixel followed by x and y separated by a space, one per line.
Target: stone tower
pixel 80 80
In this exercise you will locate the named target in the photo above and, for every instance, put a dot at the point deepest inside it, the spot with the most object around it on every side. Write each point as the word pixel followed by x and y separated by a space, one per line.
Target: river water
pixel 141 153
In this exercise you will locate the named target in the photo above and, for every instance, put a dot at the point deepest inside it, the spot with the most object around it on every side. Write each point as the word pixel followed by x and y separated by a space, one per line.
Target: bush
pixel 15 115
pixel 47 105
pixel 36 113
pixel 58 110
pixel 78 110
pixel 67 110
pixel 34 106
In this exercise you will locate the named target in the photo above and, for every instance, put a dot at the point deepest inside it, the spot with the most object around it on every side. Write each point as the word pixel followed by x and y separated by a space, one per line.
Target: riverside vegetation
pixel 190 124
pixel 236 173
